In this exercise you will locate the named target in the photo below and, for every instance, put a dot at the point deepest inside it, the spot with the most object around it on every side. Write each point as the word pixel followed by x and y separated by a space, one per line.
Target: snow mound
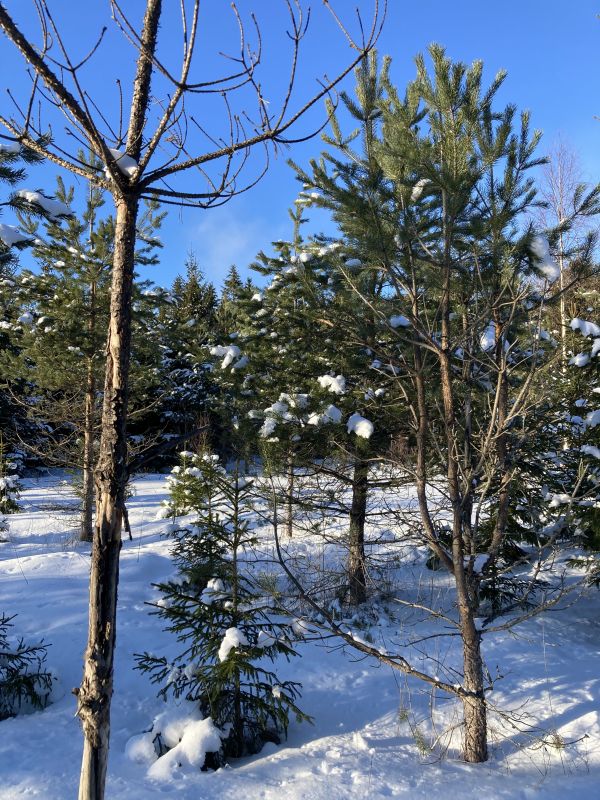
pixel 335 384
pixel 399 321
pixel 591 450
pixel 196 738
pixel 545 263
pixel 331 415
pixel 360 426
pixel 584 327
pixel 126 164
pixel 10 234
pixel 230 353
pixel 487 340
pixel 418 188
pixel 233 638
pixel 53 208
pixel 580 360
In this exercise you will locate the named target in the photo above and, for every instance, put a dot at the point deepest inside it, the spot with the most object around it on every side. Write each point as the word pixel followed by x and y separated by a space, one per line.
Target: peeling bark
pixel 95 693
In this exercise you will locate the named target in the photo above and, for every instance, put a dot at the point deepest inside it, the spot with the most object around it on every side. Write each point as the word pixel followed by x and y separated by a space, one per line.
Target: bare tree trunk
pixel 289 497
pixel 87 513
pixel 358 512
pixel 95 693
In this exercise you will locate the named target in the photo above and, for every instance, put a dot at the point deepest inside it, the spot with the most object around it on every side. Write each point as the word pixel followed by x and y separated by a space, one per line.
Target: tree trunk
pixel 475 745
pixel 475 742
pixel 87 513
pixel 289 496
pixel 358 512
pixel 95 693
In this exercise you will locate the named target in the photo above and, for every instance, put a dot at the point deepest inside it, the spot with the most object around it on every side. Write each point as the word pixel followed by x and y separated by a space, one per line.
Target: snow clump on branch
pixel 335 384
pixel 545 263
pixel 360 426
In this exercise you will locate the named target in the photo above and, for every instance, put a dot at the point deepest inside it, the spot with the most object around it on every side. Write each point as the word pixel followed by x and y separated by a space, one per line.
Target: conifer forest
pixel 299 401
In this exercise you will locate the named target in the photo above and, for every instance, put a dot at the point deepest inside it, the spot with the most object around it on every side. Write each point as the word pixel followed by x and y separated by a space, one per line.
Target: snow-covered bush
pixel 25 683
pixel 227 629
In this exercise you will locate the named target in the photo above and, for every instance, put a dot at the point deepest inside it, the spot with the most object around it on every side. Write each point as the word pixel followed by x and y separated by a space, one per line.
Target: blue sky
pixel 549 47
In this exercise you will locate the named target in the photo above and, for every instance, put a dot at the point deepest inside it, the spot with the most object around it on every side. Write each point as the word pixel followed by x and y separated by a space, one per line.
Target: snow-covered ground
pixel 372 728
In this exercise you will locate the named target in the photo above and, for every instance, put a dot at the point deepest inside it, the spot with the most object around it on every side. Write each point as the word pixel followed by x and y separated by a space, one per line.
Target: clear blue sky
pixel 550 49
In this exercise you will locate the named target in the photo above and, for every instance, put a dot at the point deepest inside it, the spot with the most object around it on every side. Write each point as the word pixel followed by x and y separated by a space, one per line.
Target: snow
pixel 230 353
pixel 399 322
pixel 26 318
pixel 592 419
pixel 417 189
pixel 268 427
pixel 368 720
pixel 10 148
pixel 331 415
pixel 188 738
pixel 591 450
pixel 126 164
pixel 487 341
pixel 558 499
pixel 545 263
pixel 334 384
pixel 187 757
pixel 584 327
pixel 580 360
pixel 265 639
pixel 10 234
pixel 215 590
pixel 233 638
pixel 53 208
pixel 360 426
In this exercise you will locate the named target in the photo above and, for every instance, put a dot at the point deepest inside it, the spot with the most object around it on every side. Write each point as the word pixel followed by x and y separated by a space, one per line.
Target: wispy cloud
pixel 225 236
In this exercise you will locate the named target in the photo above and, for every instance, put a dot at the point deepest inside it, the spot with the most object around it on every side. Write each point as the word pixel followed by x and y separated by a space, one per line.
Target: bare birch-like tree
pixel 166 151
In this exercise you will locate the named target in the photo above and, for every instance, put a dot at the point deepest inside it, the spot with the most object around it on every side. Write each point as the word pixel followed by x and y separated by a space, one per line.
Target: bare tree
pixel 152 152
pixel 562 190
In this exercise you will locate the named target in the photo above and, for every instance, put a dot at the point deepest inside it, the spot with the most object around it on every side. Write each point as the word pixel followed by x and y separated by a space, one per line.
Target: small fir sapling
pixel 9 491
pixel 25 683
pixel 227 629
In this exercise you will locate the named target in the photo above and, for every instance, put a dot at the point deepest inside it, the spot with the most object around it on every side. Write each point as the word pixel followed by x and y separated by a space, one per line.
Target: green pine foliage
pixel 227 629
pixel 25 682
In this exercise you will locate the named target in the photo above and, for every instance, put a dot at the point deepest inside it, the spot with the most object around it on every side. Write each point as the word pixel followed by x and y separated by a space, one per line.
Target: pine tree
pixel 465 278
pixel 218 614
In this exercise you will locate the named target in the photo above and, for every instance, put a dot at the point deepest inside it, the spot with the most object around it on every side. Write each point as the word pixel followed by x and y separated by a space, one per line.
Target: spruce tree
pixel 225 624
pixel 59 348
pixel 186 328
pixel 25 681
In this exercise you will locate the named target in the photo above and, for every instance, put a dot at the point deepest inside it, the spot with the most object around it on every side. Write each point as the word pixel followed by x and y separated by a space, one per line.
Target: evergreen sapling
pixel 226 627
